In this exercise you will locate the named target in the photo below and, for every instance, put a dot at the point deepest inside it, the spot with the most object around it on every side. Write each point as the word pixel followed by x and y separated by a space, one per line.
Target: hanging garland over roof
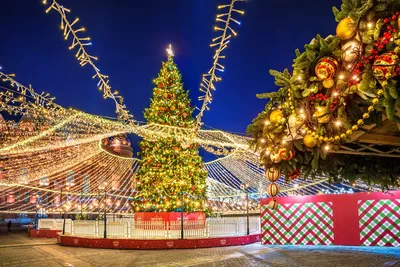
pixel 338 85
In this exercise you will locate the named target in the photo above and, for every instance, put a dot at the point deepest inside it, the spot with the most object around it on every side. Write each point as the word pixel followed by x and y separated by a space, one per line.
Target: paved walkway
pixel 19 250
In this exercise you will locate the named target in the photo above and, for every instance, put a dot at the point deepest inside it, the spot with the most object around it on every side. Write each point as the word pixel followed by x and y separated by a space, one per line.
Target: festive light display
pixel 171 171
pixel 80 44
pixel 340 87
pixel 221 43
pixel 55 160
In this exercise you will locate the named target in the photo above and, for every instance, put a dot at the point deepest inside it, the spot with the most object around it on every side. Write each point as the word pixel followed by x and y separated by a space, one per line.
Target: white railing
pixel 212 227
pixel 53 224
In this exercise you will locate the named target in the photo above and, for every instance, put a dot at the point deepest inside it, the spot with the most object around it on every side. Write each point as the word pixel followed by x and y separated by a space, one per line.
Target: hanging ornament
pixel 160 85
pixel 351 52
pixel 322 114
pixel 273 174
pixel 273 204
pixel 384 66
pixel 286 154
pixel 326 68
pixel 273 190
pixel 294 174
pixel 346 29
pixel 276 116
pixel 275 158
pixel 328 83
pixel 310 141
pixel 294 123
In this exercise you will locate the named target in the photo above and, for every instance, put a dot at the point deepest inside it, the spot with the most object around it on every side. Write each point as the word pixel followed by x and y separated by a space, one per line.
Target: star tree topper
pixel 169 51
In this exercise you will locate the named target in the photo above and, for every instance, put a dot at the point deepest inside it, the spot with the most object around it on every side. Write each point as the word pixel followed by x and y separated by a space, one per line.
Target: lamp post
pixel 36 216
pixel 182 207
pixel 65 210
pixel 105 208
pixel 245 187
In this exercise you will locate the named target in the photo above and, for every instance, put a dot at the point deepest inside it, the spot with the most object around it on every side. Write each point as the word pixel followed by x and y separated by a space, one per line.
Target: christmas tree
pixel 171 171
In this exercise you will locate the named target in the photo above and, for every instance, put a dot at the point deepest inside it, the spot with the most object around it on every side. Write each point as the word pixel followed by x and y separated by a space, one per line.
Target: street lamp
pixel 245 187
pixel 65 210
pixel 182 207
pixel 105 208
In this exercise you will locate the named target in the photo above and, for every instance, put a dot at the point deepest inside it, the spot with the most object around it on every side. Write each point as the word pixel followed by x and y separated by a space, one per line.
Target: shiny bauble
pixel 310 141
pixel 286 154
pixel 328 83
pixel 273 190
pixel 322 114
pixel 276 116
pixel 273 204
pixel 294 123
pixel 273 174
pixel 346 29
pixel 275 158
pixel 326 68
pixel 351 51
pixel 384 66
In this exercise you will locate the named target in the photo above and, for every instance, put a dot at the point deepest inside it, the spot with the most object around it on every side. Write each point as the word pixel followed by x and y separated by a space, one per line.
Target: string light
pixel 79 44
pixel 221 43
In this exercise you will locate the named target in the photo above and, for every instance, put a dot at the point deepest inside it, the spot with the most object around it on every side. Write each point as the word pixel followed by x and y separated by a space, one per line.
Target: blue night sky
pixel 130 38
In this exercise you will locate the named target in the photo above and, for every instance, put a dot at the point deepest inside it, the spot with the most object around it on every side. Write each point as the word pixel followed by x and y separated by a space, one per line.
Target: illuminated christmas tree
pixel 170 169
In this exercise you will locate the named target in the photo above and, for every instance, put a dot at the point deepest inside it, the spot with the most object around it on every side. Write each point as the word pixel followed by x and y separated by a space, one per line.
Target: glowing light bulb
pixel 338 123
pixel 327 147
pixel 370 25
pixel 341 77
pixel 267 122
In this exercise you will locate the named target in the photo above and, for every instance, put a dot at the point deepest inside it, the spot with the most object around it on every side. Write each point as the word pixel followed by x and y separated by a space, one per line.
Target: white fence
pixel 212 227
pixel 54 224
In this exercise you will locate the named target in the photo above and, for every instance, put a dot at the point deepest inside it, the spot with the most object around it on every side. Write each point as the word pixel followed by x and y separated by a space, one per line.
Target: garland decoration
pixel 338 84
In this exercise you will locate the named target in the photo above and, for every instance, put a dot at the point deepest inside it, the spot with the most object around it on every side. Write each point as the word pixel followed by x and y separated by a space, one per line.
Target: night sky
pixel 130 37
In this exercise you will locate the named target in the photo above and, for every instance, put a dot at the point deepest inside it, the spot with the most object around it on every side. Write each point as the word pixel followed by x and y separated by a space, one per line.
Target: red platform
pixel 44 233
pixel 74 241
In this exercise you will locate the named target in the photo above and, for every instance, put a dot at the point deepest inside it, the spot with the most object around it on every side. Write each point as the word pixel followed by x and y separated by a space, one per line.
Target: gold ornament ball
pixel 346 28
pixel 310 141
pixel 375 101
pixel 273 174
pixel 343 136
pixel 273 190
pixel 380 92
pixel 294 124
pixel 365 115
pixel 326 68
pixel 275 158
pixel 354 128
pixel 276 116
pixel 328 83
pixel 337 138
pixel 349 132
pixel 273 204
pixel 370 108
pixel 360 122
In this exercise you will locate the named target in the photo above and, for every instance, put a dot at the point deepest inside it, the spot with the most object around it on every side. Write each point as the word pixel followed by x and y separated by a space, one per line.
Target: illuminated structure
pixel 62 160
